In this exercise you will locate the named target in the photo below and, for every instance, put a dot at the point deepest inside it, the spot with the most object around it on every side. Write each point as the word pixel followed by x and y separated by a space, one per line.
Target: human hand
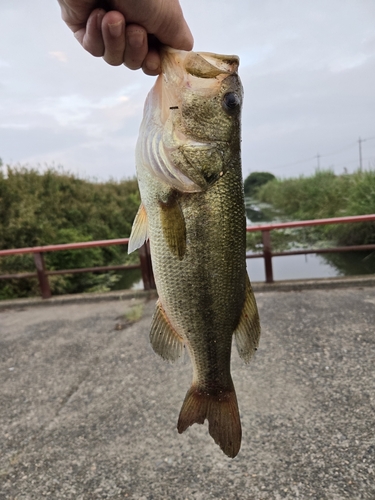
pixel 122 35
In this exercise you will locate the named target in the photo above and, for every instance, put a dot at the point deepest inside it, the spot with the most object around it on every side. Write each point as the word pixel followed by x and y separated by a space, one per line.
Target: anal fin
pixel 139 232
pixel 247 332
pixel 164 339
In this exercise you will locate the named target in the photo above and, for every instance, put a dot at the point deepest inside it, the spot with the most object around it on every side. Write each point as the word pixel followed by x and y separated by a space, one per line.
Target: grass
pixel 134 314
pixel 324 195
pixel 131 315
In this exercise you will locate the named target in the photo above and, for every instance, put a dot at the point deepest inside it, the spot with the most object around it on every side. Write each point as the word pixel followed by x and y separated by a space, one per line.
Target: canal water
pixel 304 266
pixel 293 267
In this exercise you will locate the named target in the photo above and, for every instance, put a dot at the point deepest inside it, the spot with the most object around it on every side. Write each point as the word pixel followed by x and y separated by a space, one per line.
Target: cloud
pixel 59 55
pixel 349 62
pixel 308 70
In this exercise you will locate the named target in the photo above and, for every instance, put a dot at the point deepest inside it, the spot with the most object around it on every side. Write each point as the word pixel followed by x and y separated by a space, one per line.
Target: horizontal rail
pixel 98 269
pixel 353 248
pixel 314 222
pixel 64 246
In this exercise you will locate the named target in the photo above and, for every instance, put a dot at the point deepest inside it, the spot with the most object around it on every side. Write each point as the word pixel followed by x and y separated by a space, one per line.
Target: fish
pixel 188 165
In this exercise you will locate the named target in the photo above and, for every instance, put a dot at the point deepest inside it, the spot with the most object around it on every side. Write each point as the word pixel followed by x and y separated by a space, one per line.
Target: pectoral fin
pixel 247 332
pixel 139 232
pixel 174 228
pixel 164 339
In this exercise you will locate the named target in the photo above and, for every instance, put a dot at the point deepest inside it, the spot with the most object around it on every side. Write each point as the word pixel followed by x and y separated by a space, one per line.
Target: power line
pixel 368 158
pixel 296 163
pixel 318 156
pixel 340 150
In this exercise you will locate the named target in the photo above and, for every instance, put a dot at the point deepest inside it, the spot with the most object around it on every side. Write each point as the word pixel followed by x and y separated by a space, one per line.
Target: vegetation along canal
pixel 320 196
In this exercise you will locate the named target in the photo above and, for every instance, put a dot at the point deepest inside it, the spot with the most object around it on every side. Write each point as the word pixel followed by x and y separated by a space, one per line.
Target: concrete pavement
pixel 88 411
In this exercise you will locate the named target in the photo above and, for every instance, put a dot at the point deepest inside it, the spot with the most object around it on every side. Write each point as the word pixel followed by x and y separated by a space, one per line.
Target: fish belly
pixel 203 292
pixel 202 295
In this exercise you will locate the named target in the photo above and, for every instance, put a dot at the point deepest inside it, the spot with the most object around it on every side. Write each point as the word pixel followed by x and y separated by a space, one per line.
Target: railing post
pixel 267 255
pixel 146 267
pixel 42 277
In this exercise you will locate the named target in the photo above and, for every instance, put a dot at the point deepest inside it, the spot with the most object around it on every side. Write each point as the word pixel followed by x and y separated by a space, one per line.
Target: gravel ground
pixel 88 411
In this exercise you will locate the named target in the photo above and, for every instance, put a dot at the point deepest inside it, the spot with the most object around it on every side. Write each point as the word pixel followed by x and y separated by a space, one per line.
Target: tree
pixel 255 180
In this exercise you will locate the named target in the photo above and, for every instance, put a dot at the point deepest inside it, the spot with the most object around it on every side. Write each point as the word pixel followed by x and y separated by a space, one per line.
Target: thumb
pixel 175 34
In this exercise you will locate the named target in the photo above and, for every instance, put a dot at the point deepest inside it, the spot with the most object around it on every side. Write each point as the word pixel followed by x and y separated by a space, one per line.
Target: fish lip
pixel 223 63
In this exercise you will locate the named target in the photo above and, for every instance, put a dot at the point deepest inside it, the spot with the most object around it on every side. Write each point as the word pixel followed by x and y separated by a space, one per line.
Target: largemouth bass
pixel 192 211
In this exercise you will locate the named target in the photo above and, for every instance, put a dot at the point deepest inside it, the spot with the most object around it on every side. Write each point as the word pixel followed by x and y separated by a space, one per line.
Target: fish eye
pixel 231 102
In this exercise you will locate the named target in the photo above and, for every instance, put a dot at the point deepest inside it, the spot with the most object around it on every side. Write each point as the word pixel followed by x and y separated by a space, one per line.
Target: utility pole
pixel 318 160
pixel 360 152
pixel 360 149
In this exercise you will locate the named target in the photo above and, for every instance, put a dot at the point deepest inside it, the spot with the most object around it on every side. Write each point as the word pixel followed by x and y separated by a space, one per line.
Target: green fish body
pixel 189 174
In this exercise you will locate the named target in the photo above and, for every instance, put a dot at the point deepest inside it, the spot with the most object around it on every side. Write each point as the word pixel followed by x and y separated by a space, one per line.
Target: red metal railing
pixel 42 273
pixel 267 253
pixel 145 260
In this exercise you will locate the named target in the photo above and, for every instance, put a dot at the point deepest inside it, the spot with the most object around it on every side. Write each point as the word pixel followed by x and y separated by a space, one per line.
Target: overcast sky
pixel 307 67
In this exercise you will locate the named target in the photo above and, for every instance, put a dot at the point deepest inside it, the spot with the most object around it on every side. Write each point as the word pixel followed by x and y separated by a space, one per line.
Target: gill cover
pixel 180 160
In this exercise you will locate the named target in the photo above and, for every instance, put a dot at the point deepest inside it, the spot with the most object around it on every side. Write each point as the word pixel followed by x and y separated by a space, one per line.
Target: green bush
pixel 325 195
pixel 57 207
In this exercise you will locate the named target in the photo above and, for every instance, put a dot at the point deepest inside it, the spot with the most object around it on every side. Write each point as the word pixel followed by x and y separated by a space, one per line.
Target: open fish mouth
pixel 177 142
pixel 179 64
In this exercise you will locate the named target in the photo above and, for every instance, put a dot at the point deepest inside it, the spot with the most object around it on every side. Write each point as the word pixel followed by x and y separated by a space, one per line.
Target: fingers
pixel 177 36
pixel 106 35
pixel 152 65
pixel 136 46
pixel 173 30
pixel 91 38
pixel 113 33
pixel 123 44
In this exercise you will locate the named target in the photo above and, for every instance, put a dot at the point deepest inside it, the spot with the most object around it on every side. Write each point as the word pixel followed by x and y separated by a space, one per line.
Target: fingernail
pixel 135 39
pixel 115 29
pixel 152 65
pixel 99 19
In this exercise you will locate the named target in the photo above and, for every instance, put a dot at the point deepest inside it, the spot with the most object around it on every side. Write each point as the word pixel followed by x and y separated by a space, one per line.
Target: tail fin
pixel 221 411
